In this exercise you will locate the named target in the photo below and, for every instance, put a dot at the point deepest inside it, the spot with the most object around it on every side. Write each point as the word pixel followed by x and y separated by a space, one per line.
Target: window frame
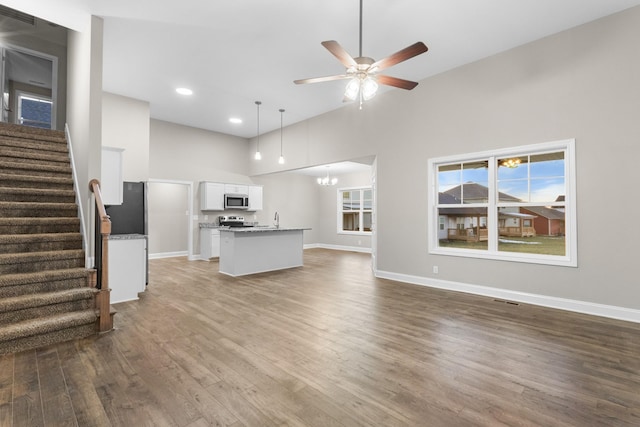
pixel 570 258
pixel 360 211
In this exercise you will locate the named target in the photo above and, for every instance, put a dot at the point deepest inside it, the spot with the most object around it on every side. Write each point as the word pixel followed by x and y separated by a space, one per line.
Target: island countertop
pixel 259 229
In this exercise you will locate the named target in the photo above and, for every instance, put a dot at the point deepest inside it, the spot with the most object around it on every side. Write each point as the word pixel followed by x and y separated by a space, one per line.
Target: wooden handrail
pixel 103 225
pixel 105 222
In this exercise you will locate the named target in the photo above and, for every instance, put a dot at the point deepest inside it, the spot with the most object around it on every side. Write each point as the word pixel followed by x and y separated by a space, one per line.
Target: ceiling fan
pixel 363 71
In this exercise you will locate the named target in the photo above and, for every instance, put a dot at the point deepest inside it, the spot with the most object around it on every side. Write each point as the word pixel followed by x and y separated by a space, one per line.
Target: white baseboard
pixel 610 311
pixel 338 247
pixel 168 255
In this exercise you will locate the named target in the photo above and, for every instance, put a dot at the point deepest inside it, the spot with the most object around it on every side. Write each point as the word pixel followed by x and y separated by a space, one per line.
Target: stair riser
pixel 32 267
pixel 49 286
pixel 32 146
pixel 41 246
pixel 43 198
pixel 37 160
pixel 35 170
pixel 47 310
pixel 18 212
pixel 72 226
pixel 24 181
pixel 36 341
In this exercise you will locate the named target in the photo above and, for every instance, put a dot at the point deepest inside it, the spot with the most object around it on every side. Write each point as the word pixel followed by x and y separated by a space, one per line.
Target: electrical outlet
pixel 206 217
pixel 435 269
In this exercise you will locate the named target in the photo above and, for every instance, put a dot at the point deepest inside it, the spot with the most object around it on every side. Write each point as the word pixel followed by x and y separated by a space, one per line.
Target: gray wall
pixel 125 124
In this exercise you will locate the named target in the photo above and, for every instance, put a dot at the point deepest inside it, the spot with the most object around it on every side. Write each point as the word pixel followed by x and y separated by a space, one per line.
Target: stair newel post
pixel 102 233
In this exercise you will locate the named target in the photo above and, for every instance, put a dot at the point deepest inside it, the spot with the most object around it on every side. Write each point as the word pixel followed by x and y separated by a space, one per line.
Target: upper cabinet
pixel 111 176
pixel 255 198
pixel 212 196
pixel 236 189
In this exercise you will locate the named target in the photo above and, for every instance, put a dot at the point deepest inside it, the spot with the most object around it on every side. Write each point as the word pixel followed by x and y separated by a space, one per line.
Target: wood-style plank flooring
pixel 327 345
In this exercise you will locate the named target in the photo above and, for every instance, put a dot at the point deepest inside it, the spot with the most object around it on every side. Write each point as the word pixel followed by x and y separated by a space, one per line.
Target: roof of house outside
pixel 543 211
pixel 476 192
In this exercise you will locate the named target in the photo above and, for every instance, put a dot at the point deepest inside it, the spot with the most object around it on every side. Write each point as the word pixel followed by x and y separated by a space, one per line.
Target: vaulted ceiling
pixel 236 52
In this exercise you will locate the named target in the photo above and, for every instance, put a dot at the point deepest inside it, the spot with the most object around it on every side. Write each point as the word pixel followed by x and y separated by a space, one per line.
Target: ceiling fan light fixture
pixel 369 88
pixel 352 89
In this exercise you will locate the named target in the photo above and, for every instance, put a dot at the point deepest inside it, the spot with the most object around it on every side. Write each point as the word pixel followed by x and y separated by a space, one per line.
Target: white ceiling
pixel 236 52
pixel 232 53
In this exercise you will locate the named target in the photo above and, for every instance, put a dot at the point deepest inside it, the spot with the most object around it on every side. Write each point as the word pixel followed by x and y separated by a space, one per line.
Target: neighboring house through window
pixel 34 110
pixel 515 204
pixel 354 210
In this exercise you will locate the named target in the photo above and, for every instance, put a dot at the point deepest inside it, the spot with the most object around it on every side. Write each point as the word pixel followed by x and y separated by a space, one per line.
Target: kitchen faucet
pixel 276 218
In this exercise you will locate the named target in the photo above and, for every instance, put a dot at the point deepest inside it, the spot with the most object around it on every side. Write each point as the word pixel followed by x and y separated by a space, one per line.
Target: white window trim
pixel 339 211
pixel 570 259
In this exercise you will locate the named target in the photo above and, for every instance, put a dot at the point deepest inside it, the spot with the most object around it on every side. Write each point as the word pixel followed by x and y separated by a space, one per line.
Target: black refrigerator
pixel 131 216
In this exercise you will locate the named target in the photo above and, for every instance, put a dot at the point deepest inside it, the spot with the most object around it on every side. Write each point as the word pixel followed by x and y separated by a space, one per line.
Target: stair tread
pixel 35 205
pixel 37 178
pixel 45 298
pixel 48 255
pixel 37 191
pixel 33 155
pixel 39 276
pixel 35 166
pixel 39 220
pixel 46 324
pixel 15 238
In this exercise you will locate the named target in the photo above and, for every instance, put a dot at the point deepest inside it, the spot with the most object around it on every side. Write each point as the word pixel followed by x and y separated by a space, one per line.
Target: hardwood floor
pixel 327 345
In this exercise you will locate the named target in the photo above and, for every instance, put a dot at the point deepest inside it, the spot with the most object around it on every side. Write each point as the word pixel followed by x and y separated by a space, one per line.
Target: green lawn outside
pixel 543 245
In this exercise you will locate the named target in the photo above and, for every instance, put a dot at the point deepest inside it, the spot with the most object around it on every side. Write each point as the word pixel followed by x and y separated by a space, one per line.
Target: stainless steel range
pixel 232 221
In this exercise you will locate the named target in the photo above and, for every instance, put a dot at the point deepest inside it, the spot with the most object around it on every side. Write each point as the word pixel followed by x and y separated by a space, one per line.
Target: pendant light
pixel 258 156
pixel 281 159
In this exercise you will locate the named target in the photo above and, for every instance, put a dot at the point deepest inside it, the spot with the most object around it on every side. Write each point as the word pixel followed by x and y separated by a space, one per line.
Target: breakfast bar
pixel 249 250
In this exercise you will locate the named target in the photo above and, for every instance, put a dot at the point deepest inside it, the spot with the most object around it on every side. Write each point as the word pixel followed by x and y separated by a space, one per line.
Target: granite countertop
pixel 212 225
pixel 126 236
pixel 263 229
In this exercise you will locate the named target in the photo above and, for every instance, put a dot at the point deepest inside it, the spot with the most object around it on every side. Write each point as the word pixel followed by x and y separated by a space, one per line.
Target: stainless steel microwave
pixel 236 201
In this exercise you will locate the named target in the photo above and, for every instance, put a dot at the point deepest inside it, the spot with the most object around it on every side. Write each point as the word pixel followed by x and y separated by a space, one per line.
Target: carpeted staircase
pixel 46 293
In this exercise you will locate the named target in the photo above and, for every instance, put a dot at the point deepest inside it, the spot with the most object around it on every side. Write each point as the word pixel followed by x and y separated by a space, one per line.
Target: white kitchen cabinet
pixel 127 267
pixel 212 196
pixel 255 197
pixel 209 243
pixel 111 176
pixel 236 189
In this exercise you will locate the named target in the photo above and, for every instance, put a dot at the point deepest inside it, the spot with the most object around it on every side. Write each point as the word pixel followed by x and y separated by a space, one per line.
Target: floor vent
pixel 19 16
pixel 507 302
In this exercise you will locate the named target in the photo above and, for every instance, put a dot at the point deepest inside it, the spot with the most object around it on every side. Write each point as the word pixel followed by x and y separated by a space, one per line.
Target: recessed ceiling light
pixel 184 91
pixel 235 120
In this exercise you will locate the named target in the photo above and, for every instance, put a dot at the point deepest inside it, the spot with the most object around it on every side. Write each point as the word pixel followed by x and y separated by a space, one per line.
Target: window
pixel 354 210
pixel 516 204
pixel 34 110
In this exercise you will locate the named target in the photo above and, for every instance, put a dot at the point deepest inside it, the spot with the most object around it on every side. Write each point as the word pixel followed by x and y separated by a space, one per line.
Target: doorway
pixel 170 228
pixel 28 83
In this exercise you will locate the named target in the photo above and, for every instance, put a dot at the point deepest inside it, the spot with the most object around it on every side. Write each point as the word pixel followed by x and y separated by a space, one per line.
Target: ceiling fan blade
pixel 402 55
pixel 339 52
pixel 322 79
pixel 396 82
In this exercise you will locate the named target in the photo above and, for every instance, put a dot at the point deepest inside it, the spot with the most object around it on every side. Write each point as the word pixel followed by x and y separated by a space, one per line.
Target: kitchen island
pixel 249 250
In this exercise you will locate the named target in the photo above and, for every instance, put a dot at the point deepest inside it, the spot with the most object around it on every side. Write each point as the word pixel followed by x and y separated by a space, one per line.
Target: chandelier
pixel 326 180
